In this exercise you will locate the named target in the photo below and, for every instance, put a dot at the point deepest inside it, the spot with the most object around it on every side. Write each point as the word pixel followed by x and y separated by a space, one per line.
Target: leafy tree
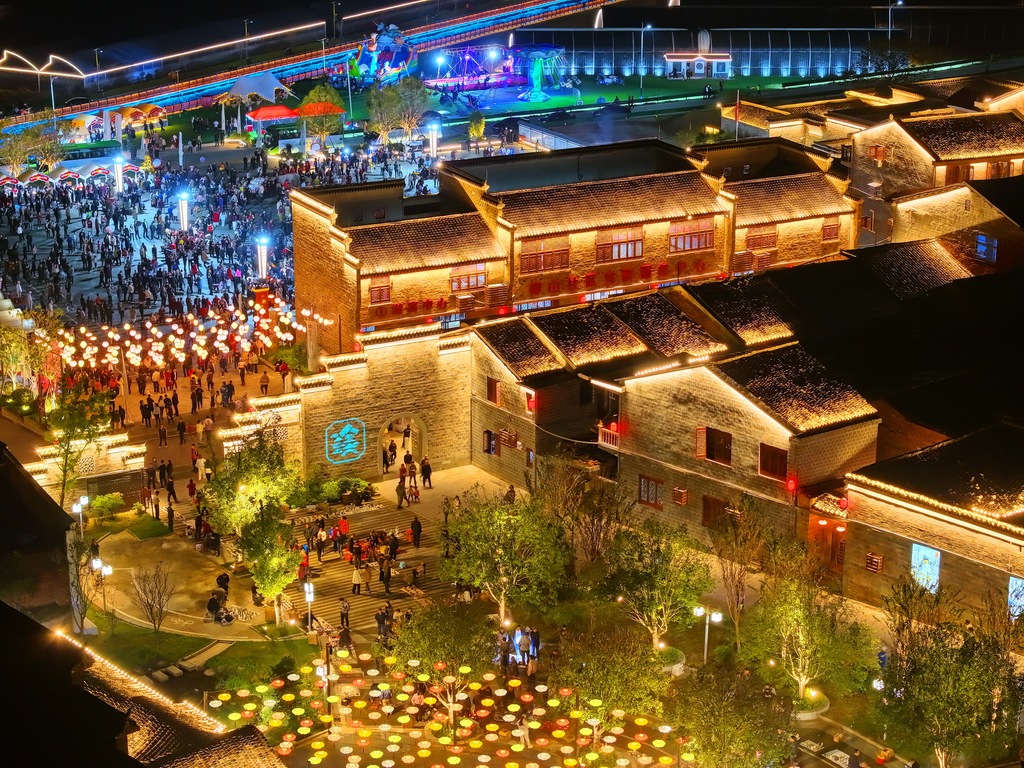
pixel 477 125
pixel 611 670
pixel 322 124
pixel 264 542
pixel 732 723
pixel 657 577
pixel 738 544
pixel 42 140
pixel 152 592
pixel 806 633
pixel 511 550
pixel 255 475
pixel 79 416
pixel 384 110
pixel 447 647
pixel 414 101
pixel 14 357
pixel 44 357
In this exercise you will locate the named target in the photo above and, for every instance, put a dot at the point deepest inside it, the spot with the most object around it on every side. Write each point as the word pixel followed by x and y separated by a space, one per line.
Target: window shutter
pixel 872 562
pixel 702 442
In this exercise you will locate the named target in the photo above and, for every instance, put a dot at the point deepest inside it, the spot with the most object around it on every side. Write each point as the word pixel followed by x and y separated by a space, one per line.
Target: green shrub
pixel 331 492
pixel 670 656
pixel 138 509
pixel 107 505
pixel 22 400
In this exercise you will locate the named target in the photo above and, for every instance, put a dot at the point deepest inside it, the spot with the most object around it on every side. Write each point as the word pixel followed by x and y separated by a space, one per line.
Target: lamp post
pixel 308 587
pixel 323 54
pixel 119 173
pixel 709 616
pixel 262 242
pixel 440 60
pixel 102 571
pixel 432 131
pixel 641 67
pixel 97 51
pixel 245 25
pixel 334 15
pixel 76 508
pixel 891 6
pixel 183 210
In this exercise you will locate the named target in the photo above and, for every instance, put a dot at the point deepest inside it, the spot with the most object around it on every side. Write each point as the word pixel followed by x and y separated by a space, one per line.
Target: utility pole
pixel 245 25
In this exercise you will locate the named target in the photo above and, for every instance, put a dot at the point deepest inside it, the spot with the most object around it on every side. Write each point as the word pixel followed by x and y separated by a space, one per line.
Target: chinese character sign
pixel 345 441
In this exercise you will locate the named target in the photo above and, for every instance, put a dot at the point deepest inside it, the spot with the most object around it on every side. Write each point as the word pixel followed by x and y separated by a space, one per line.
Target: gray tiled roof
pixel 964 136
pixel 787 198
pixel 518 347
pixel 588 334
pixel 662 326
pixel 414 244
pixel 796 388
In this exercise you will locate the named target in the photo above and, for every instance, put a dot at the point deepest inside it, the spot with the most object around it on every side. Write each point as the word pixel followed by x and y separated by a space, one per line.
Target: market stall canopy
pixel 8 180
pixel 33 176
pixel 59 172
pixel 272 112
pixel 152 110
pixel 84 121
pixel 319 109
pixel 265 85
pixel 131 113
pixel 90 170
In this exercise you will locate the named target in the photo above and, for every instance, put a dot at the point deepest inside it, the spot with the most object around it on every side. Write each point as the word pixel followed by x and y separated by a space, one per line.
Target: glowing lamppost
pixel 183 210
pixel 262 242
pixel 79 509
pixel 891 6
pixel 432 129
pixel 440 60
pixel 709 616
pixel 643 29
pixel 102 571
pixel 308 587
pixel 119 173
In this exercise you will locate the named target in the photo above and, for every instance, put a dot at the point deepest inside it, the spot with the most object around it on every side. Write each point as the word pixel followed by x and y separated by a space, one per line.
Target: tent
pixel 265 85
pixel 152 110
pixel 8 180
pixel 272 112
pixel 32 176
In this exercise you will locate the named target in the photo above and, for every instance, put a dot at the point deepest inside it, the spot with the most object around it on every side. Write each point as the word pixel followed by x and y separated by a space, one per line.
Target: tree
pixel 610 670
pixel 730 720
pixel 320 121
pixel 152 591
pixel 738 544
pixel 511 550
pixel 256 474
pixel 477 125
pixel 14 357
pixel 657 577
pixel 447 647
pixel 16 148
pixel 264 542
pixel 384 110
pixel 414 101
pixel 82 581
pixel 806 633
pixel 44 358
pixel 41 140
pixel 79 417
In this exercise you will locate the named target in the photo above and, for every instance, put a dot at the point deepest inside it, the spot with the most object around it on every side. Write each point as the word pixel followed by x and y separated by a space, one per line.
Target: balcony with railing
pixel 609 438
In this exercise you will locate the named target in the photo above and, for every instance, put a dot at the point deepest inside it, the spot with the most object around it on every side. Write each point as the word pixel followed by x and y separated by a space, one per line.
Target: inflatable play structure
pixel 382 58
pixel 541 62
pixel 537 66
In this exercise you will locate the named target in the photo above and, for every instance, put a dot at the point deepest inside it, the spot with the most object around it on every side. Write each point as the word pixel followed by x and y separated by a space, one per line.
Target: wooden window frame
pixel 472 277
pixel 709 453
pixel 493 391
pixel 764 468
pixel 692 235
pixel 867 223
pixel 830 230
pixel 544 255
pixel 711 516
pixel 650 492
pixel 492 442
pixel 762 238
pixel 380 289
pixel 620 245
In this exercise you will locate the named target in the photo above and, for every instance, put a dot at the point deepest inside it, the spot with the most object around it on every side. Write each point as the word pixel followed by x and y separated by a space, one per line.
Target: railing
pixel 608 438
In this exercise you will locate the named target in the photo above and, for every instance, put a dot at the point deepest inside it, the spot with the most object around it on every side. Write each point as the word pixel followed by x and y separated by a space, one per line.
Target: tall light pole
pixel 432 130
pixel 334 16
pixel 323 54
pixel 119 173
pixel 308 588
pixel 245 25
pixel 103 570
pixel 97 51
pixel 891 6
pixel 641 67
pixel 261 256
pixel 183 210
pixel 709 616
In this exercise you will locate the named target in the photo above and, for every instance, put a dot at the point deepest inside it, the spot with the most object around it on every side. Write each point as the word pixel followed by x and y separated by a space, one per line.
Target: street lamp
pixel 103 570
pixel 642 29
pixel 97 51
pixel 891 6
pixel 709 616
pixel 183 210
pixel 246 24
pixel 76 508
pixel 440 60
pixel 308 587
pixel 432 129
pixel 119 173
pixel 261 256
pixel 334 14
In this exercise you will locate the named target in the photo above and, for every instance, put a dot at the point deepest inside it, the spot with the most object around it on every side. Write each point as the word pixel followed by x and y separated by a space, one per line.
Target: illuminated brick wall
pixel 802 240
pixel 973 563
pixel 831 454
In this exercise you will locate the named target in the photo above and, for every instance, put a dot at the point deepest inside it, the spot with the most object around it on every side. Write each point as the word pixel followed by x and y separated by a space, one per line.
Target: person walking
pixel 162 432
pixel 425 472
pixel 357 582
pixel 364 572
pixel 381 617
pixel 417 531
pixel 170 516
pixel 400 491
pixel 181 433
pixel 264 383
pixel 170 490
pixel 343 609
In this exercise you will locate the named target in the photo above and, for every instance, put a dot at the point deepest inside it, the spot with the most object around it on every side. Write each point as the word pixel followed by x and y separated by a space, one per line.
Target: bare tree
pixel 82 580
pixel 604 510
pixel 738 544
pixel 153 591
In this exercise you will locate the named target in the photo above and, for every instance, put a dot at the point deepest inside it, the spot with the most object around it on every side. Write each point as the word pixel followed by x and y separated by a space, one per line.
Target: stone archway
pixel 393 428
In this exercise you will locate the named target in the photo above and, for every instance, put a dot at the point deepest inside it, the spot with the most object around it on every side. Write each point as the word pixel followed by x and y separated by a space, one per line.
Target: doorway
pixel 395 429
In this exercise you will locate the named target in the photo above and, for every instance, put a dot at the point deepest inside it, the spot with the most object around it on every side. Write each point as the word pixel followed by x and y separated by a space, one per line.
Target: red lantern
pixel 791 485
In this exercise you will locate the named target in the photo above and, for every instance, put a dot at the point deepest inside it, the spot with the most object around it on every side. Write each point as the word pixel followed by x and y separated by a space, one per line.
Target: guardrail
pixel 428 45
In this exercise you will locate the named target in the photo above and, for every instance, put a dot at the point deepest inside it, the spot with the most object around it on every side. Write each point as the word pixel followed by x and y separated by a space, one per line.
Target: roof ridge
pixel 592 182
pixel 379 224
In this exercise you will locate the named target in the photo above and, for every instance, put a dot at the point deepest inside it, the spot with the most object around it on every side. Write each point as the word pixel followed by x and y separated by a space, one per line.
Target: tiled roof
pixel 746 306
pixel 786 198
pixel 980 475
pixel 431 242
pixel 242 748
pixel 1006 195
pixel 618 202
pixel 662 326
pixel 755 114
pixel 588 334
pixel 912 268
pixel 796 388
pixel 518 347
pixel 960 137
pixel 823 108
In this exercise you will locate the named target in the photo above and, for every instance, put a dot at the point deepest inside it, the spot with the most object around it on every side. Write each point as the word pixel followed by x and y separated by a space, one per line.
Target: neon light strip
pixel 209 48
pixel 380 10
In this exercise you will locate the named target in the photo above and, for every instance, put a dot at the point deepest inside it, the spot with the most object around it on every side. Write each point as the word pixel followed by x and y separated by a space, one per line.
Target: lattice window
pixel 650 492
pixel 544 255
pixel 762 238
pixel 380 289
pixel 469 277
pixel 830 229
pixel 694 235
pixel 620 244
